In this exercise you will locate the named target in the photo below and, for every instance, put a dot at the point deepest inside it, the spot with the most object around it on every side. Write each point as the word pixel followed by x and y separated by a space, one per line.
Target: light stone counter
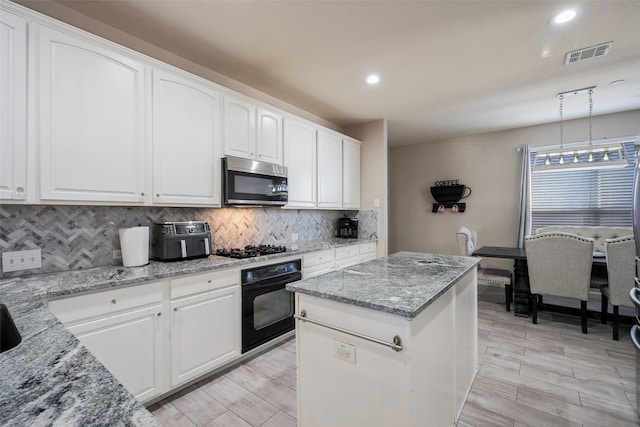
pixel 403 284
pixel 50 378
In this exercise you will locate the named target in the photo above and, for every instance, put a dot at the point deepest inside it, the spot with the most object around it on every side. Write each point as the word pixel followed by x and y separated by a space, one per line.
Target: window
pixel 589 197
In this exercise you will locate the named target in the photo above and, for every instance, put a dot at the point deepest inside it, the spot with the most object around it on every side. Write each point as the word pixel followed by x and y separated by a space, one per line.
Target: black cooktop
pixel 251 251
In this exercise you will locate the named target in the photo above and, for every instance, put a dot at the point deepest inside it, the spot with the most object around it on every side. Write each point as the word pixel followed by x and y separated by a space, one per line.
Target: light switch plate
pixel 21 260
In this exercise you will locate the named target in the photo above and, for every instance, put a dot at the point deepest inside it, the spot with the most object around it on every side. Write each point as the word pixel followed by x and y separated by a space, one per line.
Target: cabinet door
pixel 300 160
pixel 269 136
pixel 186 141
pixel 205 333
pixel 13 107
pixel 350 174
pixel 329 170
pixel 131 346
pixel 239 127
pixel 92 145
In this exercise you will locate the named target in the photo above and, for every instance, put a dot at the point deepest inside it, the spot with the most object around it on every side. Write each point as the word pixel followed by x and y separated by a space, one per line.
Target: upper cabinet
pixel 13 107
pixel 329 170
pixel 350 174
pixel 92 118
pixel 251 132
pixel 300 160
pixel 186 140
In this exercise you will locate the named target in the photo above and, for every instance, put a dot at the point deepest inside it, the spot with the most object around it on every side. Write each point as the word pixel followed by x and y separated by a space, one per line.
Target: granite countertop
pixel 50 378
pixel 403 284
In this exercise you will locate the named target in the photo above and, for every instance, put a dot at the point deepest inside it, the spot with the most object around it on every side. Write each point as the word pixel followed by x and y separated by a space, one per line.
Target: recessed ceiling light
pixel 565 16
pixel 373 79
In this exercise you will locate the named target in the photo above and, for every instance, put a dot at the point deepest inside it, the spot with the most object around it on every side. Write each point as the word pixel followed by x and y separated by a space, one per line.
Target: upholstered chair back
pixel 620 269
pixel 466 241
pixel 559 264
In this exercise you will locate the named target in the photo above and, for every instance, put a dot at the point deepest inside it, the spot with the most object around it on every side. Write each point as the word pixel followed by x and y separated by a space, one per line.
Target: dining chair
pixel 467 243
pixel 620 254
pixel 560 265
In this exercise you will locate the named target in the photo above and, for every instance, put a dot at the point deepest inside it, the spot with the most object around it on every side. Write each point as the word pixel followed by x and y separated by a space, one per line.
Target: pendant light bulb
pixel 575 158
pixel 605 157
pixel 561 161
pixel 590 158
pixel 547 160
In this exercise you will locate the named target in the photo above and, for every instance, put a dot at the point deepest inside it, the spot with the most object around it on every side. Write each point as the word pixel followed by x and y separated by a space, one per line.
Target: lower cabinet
pixel 132 347
pixel 126 330
pixel 205 331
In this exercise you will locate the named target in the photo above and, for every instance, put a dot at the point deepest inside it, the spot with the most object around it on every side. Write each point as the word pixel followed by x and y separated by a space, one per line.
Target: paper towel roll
pixel 134 243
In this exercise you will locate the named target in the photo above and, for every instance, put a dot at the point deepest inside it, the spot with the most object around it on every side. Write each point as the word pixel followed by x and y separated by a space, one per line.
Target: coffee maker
pixel 347 228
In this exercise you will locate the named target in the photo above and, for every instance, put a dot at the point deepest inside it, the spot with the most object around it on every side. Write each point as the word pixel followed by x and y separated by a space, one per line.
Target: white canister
pixel 134 243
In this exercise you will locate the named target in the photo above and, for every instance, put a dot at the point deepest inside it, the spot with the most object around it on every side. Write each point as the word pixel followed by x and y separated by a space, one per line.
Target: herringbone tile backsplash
pixel 75 237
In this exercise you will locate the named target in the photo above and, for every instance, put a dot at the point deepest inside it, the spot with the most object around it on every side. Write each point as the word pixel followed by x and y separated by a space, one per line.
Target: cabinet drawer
pixel 317 258
pixel 347 251
pixel 317 270
pixel 204 282
pixel 82 307
pixel 367 248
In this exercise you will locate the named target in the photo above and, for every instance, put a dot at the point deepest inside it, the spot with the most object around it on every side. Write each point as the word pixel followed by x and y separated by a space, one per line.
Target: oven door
pixel 267 311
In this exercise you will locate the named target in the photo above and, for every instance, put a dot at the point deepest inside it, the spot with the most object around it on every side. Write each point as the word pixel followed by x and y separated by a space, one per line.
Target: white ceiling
pixel 448 68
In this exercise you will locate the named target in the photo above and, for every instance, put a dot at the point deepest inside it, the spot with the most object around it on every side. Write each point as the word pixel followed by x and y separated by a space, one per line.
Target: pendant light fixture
pixel 585 155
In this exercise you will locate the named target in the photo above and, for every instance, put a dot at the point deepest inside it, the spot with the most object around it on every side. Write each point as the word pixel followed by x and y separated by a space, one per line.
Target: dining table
pixel 521 288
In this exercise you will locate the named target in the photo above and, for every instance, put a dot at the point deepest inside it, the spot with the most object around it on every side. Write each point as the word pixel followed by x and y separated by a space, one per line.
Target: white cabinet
pixel 329 170
pixel 317 263
pixel 205 326
pixel 91 131
pixel 269 143
pixel 125 329
pixel 300 159
pixel 186 141
pixel 13 107
pixel 350 174
pixel 251 132
pixel 368 251
pixel 131 346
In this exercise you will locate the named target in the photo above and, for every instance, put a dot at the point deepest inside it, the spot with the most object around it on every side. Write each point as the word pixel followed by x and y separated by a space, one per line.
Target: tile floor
pixel 529 375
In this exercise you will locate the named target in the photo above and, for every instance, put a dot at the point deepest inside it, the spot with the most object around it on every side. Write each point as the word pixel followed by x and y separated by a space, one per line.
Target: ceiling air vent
pixel 588 53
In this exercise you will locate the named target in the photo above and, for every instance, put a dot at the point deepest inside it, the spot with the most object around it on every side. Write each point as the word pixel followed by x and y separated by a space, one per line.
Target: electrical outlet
pixel 294 237
pixel 21 260
pixel 343 351
pixel 117 254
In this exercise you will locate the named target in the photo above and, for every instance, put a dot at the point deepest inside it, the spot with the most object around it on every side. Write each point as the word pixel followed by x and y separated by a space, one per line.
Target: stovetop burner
pixel 251 251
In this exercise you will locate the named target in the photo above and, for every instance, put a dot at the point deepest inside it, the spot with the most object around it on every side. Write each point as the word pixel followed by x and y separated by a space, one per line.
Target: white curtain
pixel 524 222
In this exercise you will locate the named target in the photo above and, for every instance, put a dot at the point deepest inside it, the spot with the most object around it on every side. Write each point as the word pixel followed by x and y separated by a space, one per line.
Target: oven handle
pixel 267 285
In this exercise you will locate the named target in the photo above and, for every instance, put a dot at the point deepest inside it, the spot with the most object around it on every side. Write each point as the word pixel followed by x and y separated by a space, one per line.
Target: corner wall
pixel 374 175
pixel 490 165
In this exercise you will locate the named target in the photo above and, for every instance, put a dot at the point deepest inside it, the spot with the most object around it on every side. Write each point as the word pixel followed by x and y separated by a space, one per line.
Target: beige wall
pixel 373 174
pixel 489 164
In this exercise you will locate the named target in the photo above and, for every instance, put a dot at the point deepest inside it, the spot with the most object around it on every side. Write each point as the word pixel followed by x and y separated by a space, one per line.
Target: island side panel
pixel 345 381
pixel 466 336
pixel 433 363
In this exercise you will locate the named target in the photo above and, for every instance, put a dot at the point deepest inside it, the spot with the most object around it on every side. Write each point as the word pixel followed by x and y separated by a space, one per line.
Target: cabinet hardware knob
pixel 20 190
pixel 157 195
pixel 175 309
pixel 141 194
pixel 209 281
pixel 113 301
pixel 159 314
pixel 303 313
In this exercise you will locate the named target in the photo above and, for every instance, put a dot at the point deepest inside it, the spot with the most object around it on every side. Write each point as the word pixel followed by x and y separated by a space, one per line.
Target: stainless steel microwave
pixel 250 182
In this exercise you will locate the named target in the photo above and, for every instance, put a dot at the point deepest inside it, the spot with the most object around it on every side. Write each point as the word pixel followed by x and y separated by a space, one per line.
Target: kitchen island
pixel 387 342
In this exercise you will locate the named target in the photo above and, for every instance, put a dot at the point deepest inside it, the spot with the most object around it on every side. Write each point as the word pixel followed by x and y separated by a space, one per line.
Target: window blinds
pixel 583 197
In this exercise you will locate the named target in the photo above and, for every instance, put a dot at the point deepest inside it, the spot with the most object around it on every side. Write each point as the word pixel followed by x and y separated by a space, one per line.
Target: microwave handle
pixel 183 248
